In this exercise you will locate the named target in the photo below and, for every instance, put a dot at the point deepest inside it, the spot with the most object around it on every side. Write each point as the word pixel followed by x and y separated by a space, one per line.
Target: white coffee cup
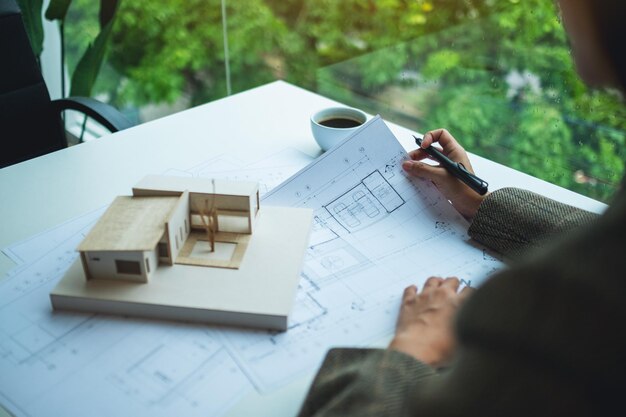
pixel 333 124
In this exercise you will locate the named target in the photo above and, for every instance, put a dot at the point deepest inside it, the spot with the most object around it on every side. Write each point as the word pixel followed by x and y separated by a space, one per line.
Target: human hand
pixel 424 328
pixel 465 200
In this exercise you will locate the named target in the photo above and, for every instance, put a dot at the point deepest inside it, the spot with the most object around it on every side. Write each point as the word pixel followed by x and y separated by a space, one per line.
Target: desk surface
pixel 51 189
pixel 48 190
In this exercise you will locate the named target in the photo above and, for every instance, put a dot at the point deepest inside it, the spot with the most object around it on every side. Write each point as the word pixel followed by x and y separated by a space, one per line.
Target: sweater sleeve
pixel 365 382
pixel 538 338
pixel 512 220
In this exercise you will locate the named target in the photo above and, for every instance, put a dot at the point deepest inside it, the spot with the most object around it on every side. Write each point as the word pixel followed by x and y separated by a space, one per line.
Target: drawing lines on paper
pixel 133 363
pixel 269 171
pixel 367 202
pixel 181 372
pixel 375 232
pixel 350 169
pixel 341 209
pixel 64 357
pixel 136 364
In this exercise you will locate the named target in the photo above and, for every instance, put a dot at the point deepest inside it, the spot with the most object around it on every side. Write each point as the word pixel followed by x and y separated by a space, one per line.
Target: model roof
pixel 130 224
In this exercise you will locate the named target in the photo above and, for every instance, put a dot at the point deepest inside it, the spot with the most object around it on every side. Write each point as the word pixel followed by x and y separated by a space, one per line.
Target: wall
pixel 104 268
pixel 176 229
pixel 153 259
pixel 240 221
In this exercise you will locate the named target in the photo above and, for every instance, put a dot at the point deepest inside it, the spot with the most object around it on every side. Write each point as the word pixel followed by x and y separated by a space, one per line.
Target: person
pixel 542 337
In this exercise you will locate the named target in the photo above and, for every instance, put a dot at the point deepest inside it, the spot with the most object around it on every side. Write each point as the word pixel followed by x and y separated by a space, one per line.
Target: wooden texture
pixel 240 240
pixel 261 293
pixel 130 224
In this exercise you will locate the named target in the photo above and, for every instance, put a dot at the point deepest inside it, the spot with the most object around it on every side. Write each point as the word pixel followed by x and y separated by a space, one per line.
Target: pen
pixel 456 168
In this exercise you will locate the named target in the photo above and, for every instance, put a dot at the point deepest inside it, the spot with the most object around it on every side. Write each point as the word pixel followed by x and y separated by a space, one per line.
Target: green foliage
pixel 440 63
pixel 86 71
pixel 496 73
pixel 170 48
pixel 108 8
pixel 31 15
pixel 549 125
pixel 57 9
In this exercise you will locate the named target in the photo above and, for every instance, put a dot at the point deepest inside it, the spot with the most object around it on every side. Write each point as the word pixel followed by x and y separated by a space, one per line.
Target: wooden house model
pixel 190 249
pixel 164 222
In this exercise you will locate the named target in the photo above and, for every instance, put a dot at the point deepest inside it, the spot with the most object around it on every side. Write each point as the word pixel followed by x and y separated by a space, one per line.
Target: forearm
pixel 365 382
pixel 513 220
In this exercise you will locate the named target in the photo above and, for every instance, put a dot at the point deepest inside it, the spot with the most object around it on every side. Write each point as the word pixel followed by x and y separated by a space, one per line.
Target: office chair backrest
pixel 29 125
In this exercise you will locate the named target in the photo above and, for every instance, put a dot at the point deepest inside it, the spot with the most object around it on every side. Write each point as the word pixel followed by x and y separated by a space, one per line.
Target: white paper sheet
pixel 79 364
pixel 54 363
pixel 375 232
pixel 268 171
pixel 35 247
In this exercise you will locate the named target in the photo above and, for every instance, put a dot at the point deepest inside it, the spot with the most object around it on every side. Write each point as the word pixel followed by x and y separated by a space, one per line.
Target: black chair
pixel 30 122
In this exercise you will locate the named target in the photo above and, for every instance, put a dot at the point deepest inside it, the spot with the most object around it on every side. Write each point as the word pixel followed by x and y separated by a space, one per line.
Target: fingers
pixel 409 293
pixel 432 282
pixel 434 173
pixel 445 139
pixel 418 154
pixel 450 147
pixel 466 292
pixel 452 283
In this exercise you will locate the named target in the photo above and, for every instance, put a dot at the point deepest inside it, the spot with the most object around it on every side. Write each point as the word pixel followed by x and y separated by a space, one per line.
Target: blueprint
pixel 59 363
pixel 375 231
pixel 268 171
pixel 83 364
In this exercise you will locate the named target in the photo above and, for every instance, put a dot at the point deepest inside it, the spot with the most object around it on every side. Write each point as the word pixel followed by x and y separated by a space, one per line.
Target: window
pixel 147 265
pixel 462 65
pixel 128 267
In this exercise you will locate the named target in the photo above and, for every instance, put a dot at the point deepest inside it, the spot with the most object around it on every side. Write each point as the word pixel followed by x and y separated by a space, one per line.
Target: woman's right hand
pixel 465 200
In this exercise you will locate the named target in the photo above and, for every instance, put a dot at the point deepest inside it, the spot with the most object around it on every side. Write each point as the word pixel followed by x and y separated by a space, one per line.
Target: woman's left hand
pixel 425 324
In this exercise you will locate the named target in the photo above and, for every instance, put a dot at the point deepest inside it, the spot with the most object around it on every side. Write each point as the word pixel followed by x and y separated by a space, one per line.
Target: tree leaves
pixel 31 14
pixel 87 69
pixel 107 11
pixel 449 71
pixel 57 9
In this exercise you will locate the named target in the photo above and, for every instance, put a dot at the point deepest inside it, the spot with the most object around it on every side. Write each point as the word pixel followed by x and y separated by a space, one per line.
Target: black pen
pixel 455 168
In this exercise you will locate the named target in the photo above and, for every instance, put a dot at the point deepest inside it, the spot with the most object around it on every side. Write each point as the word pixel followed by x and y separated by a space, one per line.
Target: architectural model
pixel 192 249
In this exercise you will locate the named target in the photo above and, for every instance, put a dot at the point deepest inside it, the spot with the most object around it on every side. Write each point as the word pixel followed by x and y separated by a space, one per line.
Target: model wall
pixel 178 226
pixel 102 265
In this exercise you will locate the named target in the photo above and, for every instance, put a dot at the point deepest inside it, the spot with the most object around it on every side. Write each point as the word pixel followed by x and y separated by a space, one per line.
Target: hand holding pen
pixel 455 168
pixel 454 175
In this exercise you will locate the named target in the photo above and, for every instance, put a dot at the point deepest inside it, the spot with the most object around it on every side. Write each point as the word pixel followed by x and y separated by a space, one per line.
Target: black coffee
pixel 340 122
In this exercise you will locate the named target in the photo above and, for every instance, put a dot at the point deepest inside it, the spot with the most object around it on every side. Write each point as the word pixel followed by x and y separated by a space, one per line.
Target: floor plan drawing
pixel 375 232
pixel 148 367
pixel 367 202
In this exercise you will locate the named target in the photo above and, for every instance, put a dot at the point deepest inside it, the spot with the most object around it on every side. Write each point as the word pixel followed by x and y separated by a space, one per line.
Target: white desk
pixel 48 190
